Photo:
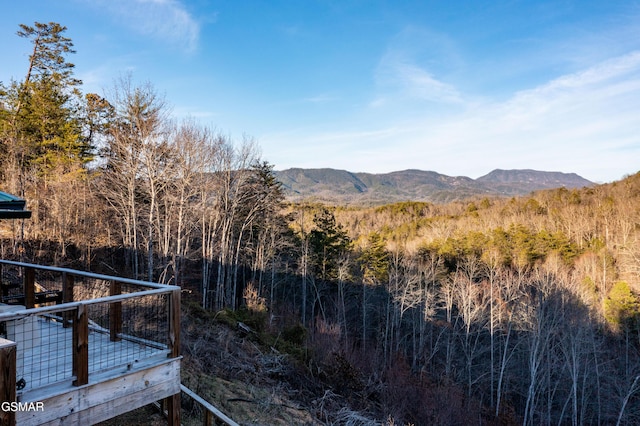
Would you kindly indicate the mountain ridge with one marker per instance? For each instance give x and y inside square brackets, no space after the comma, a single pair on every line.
[342,186]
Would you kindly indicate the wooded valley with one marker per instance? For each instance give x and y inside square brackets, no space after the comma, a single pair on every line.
[519,310]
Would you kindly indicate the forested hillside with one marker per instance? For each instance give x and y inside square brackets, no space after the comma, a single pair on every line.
[495,311]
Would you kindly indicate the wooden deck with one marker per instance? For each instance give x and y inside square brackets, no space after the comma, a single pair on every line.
[108,346]
[50,360]
[120,349]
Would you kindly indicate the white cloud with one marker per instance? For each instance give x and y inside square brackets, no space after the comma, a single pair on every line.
[417,82]
[579,122]
[408,68]
[398,79]
[601,73]
[165,20]
[320,99]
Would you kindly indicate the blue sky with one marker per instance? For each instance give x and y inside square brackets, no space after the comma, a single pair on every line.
[457,87]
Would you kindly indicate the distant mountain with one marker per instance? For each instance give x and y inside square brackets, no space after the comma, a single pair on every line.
[537,179]
[341,186]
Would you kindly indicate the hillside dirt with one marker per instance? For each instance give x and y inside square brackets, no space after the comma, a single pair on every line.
[250,383]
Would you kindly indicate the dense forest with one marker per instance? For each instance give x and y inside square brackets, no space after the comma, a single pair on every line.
[489,311]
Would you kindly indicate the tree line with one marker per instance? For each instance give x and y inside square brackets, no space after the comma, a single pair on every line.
[118,171]
[521,310]
[528,305]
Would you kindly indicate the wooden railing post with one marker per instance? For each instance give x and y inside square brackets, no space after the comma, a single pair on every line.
[29,280]
[7,380]
[173,410]
[115,312]
[174,323]
[67,296]
[208,418]
[81,346]
[4,286]
[173,402]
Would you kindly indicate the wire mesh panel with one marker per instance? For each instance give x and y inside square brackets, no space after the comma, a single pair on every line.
[127,332]
[11,284]
[47,286]
[44,349]
[51,360]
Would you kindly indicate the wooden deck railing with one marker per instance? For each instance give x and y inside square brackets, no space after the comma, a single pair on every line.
[120,309]
[8,379]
